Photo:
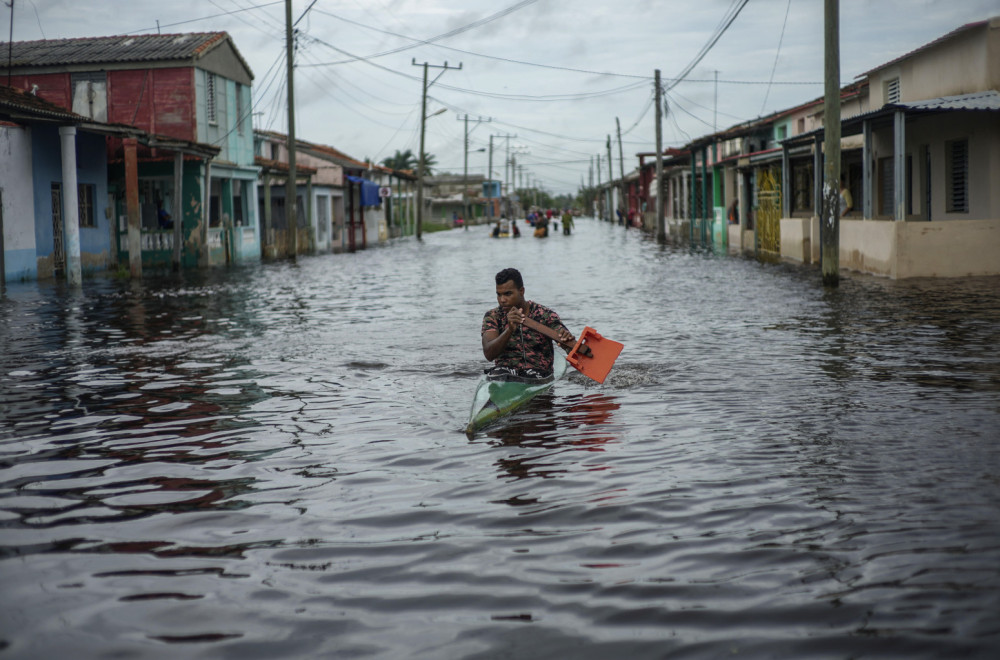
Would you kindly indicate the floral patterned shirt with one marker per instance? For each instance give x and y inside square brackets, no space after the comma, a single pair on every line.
[526,349]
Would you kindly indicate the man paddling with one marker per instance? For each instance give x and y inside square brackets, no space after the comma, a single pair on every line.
[514,347]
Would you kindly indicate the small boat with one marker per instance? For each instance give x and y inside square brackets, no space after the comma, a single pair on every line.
[498,396]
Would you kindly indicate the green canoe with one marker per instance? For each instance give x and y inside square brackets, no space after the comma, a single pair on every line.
[500,396]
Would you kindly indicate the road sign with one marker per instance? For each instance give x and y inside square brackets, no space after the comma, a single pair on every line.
[384,191]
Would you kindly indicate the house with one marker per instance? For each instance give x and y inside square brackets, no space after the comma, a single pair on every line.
[194,92]
[352,204]
[55,218]
[924,172]
[457,196]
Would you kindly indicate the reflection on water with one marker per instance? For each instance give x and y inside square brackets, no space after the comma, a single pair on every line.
[269,462]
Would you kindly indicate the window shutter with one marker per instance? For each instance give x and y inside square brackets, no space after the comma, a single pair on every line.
[958,176]
[210,98]
[892,91]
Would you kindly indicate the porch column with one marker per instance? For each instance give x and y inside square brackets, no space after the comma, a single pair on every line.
[71,205]
[206,213]
[705,210]
[266,240]
[786,174]
[866,171]
[693,190]
[310,220]
[132,209]
[899,164]
[178,216]
[817,178]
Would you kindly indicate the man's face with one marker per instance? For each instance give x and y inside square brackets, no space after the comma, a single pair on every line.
[508,295]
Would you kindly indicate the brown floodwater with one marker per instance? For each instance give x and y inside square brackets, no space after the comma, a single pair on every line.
[269,461]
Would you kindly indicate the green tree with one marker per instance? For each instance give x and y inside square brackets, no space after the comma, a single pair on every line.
[401,160]
[407,160]
[429,162]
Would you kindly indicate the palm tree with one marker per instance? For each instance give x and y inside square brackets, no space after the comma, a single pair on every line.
[429,162]
[407,160]
[401,160]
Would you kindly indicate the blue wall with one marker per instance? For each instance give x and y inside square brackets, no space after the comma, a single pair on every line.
[91,168]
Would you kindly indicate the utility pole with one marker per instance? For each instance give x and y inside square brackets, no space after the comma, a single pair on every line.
[600,209]
[611,178]
[465,172]
[621,164]
[490,176]
[291,191]
[423,130]
[661,230]
[830,225]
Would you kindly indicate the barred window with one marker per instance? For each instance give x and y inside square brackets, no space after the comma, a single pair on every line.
[957,175]
[85,200]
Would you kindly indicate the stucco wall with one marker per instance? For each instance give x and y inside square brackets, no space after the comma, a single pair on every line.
[92,169]
[957,248]
[795,239]
[18,203]
[868,246]
[958,66]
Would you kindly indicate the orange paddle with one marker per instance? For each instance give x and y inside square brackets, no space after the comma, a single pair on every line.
[592,355]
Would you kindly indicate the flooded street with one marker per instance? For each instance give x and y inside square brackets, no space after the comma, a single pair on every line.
[270,462]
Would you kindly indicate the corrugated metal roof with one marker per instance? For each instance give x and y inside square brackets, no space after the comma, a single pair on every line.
[988,100]
[116,49]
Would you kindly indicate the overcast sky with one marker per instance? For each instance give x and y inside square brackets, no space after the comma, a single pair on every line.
[557,73]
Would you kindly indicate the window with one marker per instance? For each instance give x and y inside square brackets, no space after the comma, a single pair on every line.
[90,95]
[802,125]
[85,200]
[957,175]
[892,91]
[213,117]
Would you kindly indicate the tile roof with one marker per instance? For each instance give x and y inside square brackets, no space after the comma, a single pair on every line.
[117,49]
[28,106]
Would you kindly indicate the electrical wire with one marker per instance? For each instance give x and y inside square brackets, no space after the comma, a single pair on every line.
[451,33]
[727,20]
[777,53]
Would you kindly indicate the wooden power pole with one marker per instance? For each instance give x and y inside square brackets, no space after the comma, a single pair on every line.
[621,167]
[423,126]
[611,178]
[291,192]
[830,223]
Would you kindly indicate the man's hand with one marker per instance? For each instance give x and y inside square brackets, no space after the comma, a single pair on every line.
[565,336]
[515,317]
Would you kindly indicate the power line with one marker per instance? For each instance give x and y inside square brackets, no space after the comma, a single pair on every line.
[444,35]
[776,55]
[205,18]
[727,20]
[556,67]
